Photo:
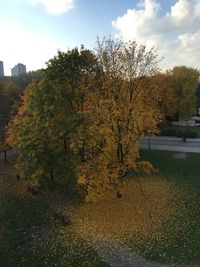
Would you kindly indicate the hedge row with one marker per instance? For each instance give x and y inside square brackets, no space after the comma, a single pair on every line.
[183,132]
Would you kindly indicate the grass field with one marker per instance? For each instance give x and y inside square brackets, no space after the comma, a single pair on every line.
[179,237]
[185,172]
[162,226]
[30,236]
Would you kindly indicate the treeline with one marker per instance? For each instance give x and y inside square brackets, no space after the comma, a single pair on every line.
[180,92]
[24,80]
[80,125]
[11,90]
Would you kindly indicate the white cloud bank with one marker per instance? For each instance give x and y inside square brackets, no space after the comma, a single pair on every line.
[176,33]
[54,6]
[19,45]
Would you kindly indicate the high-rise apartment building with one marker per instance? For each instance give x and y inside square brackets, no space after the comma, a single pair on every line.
[1,69]
[18,70]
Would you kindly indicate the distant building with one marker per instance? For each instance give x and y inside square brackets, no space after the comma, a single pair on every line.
[18,70]
[1,69]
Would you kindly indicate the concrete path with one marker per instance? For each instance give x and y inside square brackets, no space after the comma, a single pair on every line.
[157,143]
[10,153]
[171,144]
[118,256]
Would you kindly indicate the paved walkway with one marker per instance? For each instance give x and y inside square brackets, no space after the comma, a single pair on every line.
[158,143]
[10,153]
[117,256]
[171,144]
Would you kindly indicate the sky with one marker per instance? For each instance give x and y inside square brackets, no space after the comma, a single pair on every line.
[32,31]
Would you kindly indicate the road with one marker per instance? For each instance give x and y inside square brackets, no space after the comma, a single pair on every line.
[171,144]
[158,143]
[9,154]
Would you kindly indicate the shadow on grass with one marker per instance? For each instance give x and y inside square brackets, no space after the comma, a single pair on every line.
[31,236]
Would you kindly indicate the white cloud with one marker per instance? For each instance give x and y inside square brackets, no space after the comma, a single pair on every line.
[19,45]
[176,34]
[54,6]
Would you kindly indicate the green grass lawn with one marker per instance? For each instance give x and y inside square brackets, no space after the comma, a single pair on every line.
[179,240]
[185,172]
[31,237]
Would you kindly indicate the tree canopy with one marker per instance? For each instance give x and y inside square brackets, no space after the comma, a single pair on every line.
[122,108]
[87,116]
[185,81]
[9,102]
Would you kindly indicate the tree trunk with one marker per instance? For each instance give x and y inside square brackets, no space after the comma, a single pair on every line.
[82,152]
[120,153]
[149,143]
[119,195]
[52,177]
[65,146]
[5,155]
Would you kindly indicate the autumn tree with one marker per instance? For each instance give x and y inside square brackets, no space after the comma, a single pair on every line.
[50,118]
[23,81]
[94,107]
[122,109]
[9,102]
[76,70]
[185,82]
[36,132]
[167,95]
[198,99]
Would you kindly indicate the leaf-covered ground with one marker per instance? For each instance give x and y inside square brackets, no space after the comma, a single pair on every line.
[180,233]
[158,217]
[30,235]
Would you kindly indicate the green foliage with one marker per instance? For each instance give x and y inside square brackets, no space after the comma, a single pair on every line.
[72,67]
[87,115]
[11,90]
[184,132]
[167,94]
[9,102]
[24,80]
[185,82]
[50,118]
[40,129]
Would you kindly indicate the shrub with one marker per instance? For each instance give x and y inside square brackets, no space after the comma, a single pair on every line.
[188,133]
[183,132]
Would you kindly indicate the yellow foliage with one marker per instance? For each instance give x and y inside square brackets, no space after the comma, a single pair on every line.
[146,167]
[122,109]
[82,180]
[111,109]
